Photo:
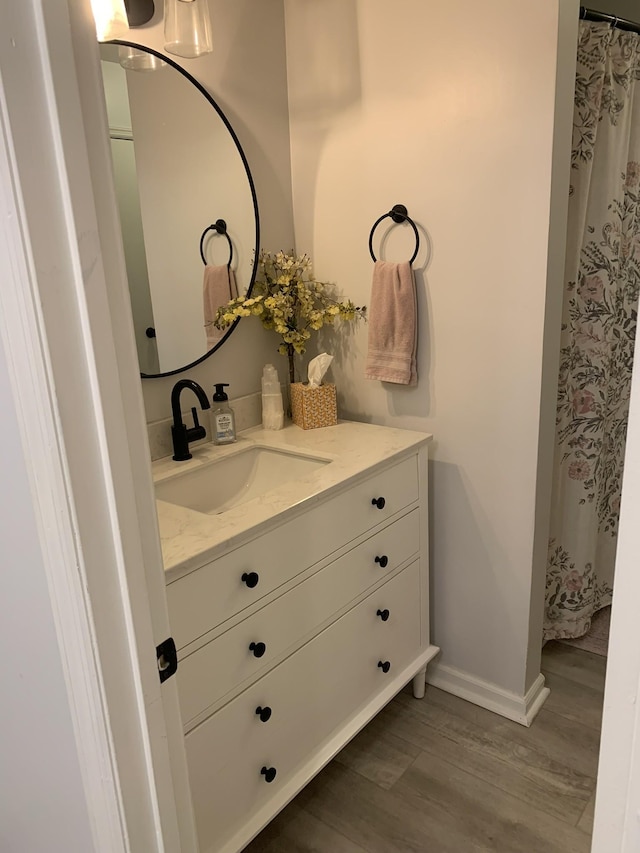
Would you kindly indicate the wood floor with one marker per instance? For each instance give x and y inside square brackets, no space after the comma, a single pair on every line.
[440,775]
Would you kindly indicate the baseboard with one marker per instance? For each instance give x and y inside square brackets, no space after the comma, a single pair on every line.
[521,709]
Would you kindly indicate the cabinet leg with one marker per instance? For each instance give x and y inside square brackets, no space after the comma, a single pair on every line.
[419,683]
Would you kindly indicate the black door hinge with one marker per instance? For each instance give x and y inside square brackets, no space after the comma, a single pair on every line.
[167,659]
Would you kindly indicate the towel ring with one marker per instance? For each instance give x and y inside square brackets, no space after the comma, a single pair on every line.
[399,214]
[220,227]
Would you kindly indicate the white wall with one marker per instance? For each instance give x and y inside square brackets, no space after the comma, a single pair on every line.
[448,110]
[246,74]
[565,88]
[42,802]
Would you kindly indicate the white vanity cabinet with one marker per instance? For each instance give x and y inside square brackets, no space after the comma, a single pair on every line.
[292,638]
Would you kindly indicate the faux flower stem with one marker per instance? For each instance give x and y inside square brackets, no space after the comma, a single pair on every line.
[290,355]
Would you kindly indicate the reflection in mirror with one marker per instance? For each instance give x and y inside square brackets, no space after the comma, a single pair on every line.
[179,170]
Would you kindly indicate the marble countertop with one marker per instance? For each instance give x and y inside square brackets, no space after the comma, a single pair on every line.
[190,538]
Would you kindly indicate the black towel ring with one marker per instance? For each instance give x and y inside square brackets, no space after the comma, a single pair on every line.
[220,227]
[399,214]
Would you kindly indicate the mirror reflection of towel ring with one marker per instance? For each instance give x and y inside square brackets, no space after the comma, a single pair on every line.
[220,227]
[399,214]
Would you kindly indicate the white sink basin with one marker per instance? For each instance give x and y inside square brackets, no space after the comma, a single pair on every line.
[236,479]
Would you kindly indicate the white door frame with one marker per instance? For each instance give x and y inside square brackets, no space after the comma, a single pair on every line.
[617,817]
[66,329]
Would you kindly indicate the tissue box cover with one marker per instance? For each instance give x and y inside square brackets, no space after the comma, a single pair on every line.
[313,407]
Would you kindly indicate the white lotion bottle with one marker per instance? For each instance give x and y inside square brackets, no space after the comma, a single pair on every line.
[272,408]
[222,416]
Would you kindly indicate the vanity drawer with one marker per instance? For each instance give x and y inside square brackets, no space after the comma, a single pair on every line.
[310,695]
[208,596]
[209,673]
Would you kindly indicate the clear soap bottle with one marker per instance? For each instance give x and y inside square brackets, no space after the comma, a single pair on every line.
[223,419]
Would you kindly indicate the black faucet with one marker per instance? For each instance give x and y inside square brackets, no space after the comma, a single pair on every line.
[180,433]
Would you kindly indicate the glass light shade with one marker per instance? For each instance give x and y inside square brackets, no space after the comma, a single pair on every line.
[110,17]
[187,28]
[138,60]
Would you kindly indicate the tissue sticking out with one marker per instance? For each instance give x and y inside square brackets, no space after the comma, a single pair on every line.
[318,366]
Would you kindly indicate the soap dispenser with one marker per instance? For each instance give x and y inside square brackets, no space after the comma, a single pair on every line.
[224,421]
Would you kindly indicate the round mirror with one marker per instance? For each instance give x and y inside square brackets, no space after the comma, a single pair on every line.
[187,202]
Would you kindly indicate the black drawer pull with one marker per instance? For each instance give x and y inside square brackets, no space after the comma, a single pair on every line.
[269,773]
[258,649]
[385,666]
[379,502]
[251,579]
[383,614]
[384,561]
[264,713]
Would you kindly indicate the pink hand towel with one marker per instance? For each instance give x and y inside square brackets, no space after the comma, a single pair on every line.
[219,286]
[393,324]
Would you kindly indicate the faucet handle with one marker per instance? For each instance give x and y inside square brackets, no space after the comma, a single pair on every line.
[196,431]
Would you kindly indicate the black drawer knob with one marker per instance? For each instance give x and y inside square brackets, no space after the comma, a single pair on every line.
[264,713]
[251,579]
[379,502]
[385,666]
[384,561]
[258,649]
[269,773]
[383,614]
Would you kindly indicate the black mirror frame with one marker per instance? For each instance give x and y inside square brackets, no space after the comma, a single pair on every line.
[254,197]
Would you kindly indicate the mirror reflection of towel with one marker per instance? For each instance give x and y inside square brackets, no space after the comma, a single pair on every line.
[393,324]
[218,287]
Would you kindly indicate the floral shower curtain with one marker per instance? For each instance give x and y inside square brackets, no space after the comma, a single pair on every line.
[602,278]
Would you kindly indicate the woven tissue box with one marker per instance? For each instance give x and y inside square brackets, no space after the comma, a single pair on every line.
[313,407]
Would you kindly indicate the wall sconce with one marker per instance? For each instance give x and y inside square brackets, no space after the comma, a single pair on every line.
[187,28]
[187,25]
[139,12]
[110,17]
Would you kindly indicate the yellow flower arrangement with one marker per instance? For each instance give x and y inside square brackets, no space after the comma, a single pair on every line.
[288,299]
